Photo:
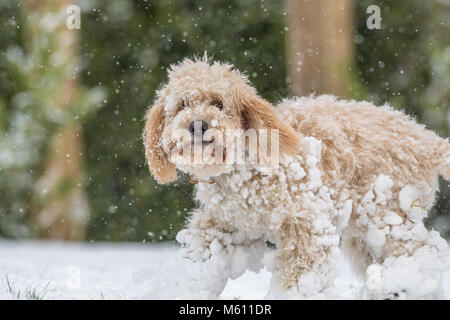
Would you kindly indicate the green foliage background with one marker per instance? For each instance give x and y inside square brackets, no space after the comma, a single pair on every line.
[126,47]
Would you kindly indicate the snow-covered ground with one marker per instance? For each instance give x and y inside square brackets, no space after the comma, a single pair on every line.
[52,270]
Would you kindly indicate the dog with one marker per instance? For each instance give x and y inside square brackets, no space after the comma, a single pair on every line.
[351,177]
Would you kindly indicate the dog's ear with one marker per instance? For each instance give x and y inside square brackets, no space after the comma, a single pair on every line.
[259,114]
[162,170]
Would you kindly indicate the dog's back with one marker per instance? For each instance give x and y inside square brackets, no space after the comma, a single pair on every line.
[361,141]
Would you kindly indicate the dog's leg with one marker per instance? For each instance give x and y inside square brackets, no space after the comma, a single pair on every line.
[407,259]
[217,254]
[408,262]
[306,256]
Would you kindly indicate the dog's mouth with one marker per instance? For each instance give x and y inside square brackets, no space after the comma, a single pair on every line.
[198,148]
[204,141]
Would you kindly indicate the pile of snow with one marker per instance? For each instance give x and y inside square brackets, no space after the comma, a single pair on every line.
[51,270]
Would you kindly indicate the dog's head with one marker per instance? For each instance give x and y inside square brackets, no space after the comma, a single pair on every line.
[199,108]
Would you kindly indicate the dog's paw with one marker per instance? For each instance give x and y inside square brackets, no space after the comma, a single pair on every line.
[405,277]
[401,295]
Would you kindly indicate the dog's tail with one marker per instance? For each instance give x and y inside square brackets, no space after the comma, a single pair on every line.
[445,158]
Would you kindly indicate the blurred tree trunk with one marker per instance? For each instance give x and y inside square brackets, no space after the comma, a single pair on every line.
[319,45]
[60,205]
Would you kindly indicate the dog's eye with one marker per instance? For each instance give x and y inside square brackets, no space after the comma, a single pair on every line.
[182,105]
[218,104]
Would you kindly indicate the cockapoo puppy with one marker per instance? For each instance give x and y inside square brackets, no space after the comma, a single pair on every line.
[351,176]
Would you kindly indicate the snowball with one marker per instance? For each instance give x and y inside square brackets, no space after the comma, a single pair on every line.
[382,188]
[415,201]
[407,277]
[309,283]
[374,279]
[282,177]
[344,215]
[391,218]
[296,172]
[314,176]
[311,162]
[215,246]
[244,193]
[437,241]
[368,197]
[313,146]
[367,206]
[238,263]
[376,238]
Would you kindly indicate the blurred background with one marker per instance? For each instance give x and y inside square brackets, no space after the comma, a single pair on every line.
[72,101]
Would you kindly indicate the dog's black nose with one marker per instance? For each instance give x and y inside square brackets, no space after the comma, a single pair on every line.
[198,127]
